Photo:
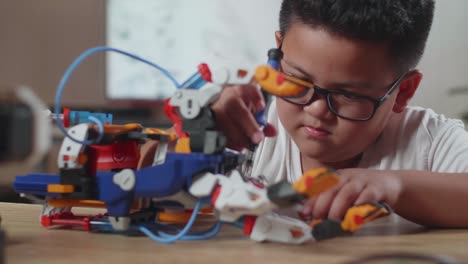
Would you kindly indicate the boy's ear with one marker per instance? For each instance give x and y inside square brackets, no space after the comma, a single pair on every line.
[278,39]
[408,87]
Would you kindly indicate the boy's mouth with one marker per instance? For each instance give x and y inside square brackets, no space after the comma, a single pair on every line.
[316,132]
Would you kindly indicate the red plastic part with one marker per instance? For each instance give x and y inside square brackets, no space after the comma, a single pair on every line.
[215,194]
[66,117]
[171,113]
[309,181]
[249,223]
[68,219]
[280,79]
[205,72]
[117,155]
[359,220]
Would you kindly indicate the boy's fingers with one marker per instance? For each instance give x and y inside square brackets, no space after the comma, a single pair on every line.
[236,141]
[344,199]
[369,195]
[250,94]
[246,123]
[323,203]
[308,207]
[147,154]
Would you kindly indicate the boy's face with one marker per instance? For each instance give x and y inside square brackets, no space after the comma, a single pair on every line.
[333,62]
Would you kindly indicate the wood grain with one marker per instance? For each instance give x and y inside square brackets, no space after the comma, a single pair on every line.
[28,242]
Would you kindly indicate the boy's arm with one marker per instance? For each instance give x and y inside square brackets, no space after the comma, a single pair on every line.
[433,199]
[427,198]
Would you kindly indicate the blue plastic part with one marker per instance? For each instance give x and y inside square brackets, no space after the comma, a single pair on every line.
[36,184]
[103,225]
[166,179]
[183,232]
[174,174]
[274,63]
[200,235]
[260,115]
[195,81]
[78,117]
[76,63]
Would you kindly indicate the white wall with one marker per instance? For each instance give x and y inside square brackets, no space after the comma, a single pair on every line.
[445,62]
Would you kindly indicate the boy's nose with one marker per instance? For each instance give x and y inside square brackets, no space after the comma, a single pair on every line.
[319,107]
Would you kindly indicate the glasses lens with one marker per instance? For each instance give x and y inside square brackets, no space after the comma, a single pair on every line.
[351,106]
[301,98]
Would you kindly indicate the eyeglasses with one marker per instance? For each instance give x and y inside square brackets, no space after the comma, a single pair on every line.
[347,105]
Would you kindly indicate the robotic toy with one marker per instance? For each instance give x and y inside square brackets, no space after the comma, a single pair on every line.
[192,170]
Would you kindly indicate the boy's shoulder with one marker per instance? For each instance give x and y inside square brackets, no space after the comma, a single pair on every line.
[416,117]
[413,140]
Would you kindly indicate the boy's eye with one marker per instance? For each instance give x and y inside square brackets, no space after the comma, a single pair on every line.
[346,97]
[350,96]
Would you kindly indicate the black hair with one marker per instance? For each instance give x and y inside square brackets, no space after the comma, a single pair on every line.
[402,24]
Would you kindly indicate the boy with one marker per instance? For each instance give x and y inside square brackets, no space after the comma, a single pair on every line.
[360,55]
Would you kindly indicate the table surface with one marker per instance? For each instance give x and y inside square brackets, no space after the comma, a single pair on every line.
[29,242]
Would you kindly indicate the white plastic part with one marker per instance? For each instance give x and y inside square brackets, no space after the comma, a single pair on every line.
[70,150]
[120,223]
[238,198]
[125,179]
[160,153]
[231,75]
[276,228]
[204,185]
[190,101]
[186,200]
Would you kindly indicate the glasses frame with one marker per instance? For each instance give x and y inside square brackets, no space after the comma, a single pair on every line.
[326,93]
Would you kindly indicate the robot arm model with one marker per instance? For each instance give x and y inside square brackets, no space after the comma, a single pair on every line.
[251,205]
[199,172]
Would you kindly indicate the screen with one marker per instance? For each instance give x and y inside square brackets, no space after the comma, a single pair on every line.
[180,34]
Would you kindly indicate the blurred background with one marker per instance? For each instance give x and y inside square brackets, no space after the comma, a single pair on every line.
[39,39]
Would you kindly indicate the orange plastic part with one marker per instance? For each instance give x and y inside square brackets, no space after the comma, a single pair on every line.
[316,181]
[60,188]
[360,214]
[183,145]
[278,83]
[60,203]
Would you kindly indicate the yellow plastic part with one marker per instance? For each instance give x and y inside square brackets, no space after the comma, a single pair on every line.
[115,129]
[278,83]
[157,131]
[60,188]
[180,217]
[75,203]
[359,215]
[316,181]
[183,145]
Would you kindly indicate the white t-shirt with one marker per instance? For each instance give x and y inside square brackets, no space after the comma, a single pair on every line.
[417,138]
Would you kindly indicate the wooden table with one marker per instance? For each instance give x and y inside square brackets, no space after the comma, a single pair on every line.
[28,242]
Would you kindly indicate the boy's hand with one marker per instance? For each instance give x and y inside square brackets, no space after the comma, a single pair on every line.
[358,186]
[234,112]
